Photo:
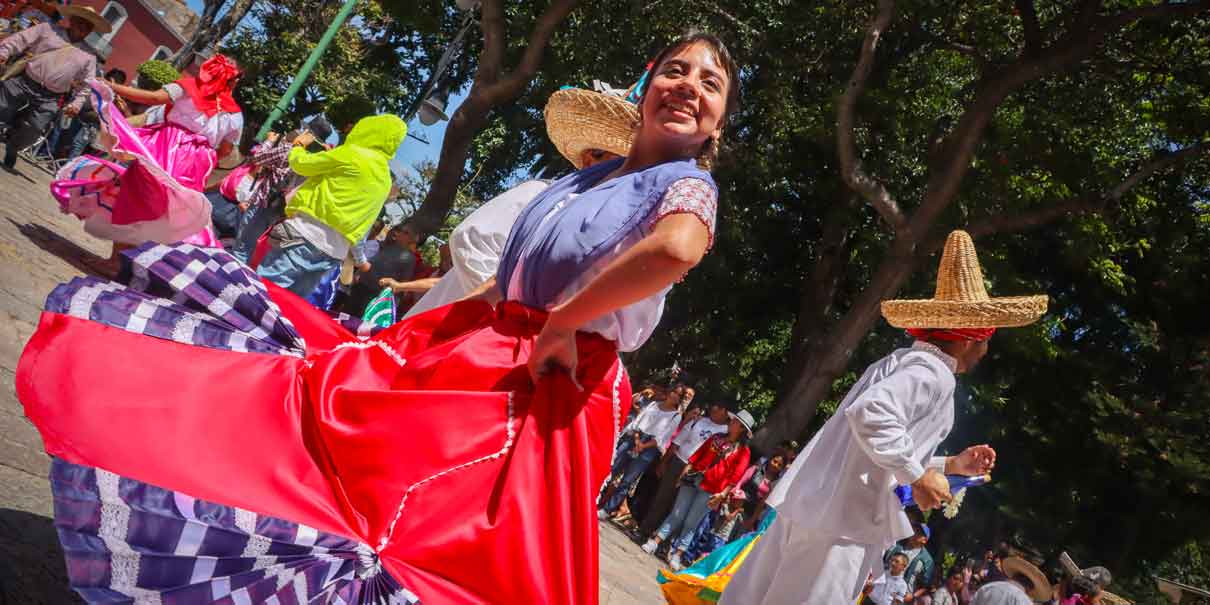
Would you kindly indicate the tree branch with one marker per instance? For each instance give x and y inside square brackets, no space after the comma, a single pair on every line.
[1093,203]
[531,60]
[870,189]
[1164,9]
[1029,20]
[491,59]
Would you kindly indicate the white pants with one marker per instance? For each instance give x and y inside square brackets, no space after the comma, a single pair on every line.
[787,567]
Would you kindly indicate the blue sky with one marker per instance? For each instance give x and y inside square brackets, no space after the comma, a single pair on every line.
[412,151]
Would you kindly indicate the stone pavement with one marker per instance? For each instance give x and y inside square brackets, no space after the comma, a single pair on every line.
[39,248]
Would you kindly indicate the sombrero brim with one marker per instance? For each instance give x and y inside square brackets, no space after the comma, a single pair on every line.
[1042,588]
[578,119]
[1009,312]
[99,24]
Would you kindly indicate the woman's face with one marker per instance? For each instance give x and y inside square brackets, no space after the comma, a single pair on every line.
[735,429]
[777,463]
[687,98]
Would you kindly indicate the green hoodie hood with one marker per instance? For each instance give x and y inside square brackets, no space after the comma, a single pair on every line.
[382,133]
[347,186]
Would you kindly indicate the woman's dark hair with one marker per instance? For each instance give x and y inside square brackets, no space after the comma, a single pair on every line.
[710,149]
[1085,585]
[116,75]
[956,571]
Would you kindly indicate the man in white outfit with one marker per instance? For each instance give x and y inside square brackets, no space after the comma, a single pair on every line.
[837,511]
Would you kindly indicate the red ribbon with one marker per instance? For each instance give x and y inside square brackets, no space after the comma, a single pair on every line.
[211,90]
[952,334]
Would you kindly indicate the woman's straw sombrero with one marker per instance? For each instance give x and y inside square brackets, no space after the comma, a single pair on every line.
[578,119]
[961,300]
[1016,566]
[99,24]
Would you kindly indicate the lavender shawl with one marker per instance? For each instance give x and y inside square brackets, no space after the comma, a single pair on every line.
[559,249]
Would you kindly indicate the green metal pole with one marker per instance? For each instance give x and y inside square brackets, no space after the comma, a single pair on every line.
[301,77]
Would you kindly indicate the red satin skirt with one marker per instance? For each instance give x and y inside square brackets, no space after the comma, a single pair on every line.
[428,442]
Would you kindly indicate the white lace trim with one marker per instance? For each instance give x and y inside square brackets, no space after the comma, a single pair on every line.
[84,298]
[182,330]
[511,433]
[614,421]
[394,355]
[115,523]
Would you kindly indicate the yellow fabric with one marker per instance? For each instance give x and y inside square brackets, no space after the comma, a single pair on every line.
[683,589]
[347,186]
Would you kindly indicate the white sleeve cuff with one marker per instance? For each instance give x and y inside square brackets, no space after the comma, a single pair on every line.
[909,474]
[938,462]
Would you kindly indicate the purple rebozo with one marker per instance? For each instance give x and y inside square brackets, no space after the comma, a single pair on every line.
[957,484]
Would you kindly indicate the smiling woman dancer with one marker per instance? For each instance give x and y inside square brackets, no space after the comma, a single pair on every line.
[452,458]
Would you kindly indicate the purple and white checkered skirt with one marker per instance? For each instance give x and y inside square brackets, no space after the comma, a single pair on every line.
[126,541]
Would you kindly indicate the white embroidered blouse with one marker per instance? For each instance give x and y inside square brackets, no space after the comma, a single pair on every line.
[632,325]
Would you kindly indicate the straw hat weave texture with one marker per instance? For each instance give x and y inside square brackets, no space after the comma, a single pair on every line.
[578,119]
[961,299]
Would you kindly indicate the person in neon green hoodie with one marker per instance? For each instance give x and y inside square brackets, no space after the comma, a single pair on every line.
[334,208]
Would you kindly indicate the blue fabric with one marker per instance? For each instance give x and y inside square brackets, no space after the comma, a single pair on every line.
[297,268]
[224,213]
[687,513]
[631,467]
[324,294]
[704,538]
[557,248]
[724,555]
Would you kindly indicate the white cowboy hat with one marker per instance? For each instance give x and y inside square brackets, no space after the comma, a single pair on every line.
[961,300]
[99,24]
[579,119]
[745,418]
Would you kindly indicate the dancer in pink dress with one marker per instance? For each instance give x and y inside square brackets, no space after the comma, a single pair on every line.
[196,123]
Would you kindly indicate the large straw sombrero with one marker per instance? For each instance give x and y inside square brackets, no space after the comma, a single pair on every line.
[1042,590]
[961,300]
[579,119]
[99,24]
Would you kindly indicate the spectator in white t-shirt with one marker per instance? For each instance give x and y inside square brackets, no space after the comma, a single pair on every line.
[643,440]
[891,588]
[686,442]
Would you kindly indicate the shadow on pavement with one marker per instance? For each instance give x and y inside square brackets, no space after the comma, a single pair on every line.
[32,571]
[69,251]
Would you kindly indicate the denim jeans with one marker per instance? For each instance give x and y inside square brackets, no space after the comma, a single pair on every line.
[252,224]
[298,267]
[631,467]
[686,514]
[224,213]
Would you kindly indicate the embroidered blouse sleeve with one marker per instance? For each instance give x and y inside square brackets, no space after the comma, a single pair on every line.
[690,196]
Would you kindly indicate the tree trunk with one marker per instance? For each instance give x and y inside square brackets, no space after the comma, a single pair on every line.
[467,121]
[210,31]
[830,354]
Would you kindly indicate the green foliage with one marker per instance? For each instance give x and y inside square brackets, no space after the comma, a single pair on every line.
[370,66]
[1099,412]
[153,75]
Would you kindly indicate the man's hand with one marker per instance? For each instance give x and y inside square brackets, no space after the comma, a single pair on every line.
[71,111]
[931,490]
[973,461]
[364,267]
[304,138]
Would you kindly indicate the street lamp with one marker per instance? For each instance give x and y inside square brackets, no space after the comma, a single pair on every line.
[432,110]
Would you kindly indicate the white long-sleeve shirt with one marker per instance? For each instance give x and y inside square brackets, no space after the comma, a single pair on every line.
[657,423]
[884,433]
[476,245]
